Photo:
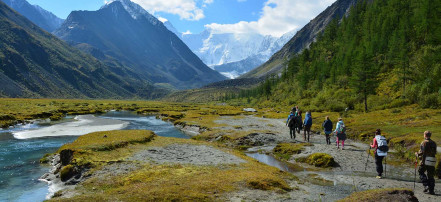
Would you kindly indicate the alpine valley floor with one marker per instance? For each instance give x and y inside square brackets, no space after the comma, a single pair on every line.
[215,165]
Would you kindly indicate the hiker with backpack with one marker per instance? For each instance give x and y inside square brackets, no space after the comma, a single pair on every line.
[340,132]
[327,126]
[291,123]
[379,143]
[307,125]
[298,124]
[427,154]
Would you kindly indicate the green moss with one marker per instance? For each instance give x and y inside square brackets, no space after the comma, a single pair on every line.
[391,194]
[46,158]
[56,117]
[319,160]
[67,172]
[284,151]
[109,140]
[268,184]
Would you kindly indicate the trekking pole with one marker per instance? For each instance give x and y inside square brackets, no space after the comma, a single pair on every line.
[385,166]
[367,158]
[414,179]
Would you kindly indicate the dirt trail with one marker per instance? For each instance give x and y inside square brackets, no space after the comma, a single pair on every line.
[352,174]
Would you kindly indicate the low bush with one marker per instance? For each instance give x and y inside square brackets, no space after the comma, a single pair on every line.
[319,160]
[285,150]
[391,194]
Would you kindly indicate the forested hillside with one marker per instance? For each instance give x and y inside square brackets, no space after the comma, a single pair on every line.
[383,54]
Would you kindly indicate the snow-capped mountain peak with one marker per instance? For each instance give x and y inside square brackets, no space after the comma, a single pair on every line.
[232,54]
[135,10]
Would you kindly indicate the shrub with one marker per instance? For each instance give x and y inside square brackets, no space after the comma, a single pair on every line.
[399,103]
[391,194]
[67,172]
[336,106]
[286,150]
[319,160]
[430,101]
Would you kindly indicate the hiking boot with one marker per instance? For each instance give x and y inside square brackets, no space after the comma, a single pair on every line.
[379,177]
[430,193]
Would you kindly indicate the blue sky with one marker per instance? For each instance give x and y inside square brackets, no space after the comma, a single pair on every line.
[267,17]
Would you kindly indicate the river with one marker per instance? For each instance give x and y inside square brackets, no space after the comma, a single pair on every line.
[21,147]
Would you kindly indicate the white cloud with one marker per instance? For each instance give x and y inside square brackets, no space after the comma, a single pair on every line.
[186,9]
[277,17]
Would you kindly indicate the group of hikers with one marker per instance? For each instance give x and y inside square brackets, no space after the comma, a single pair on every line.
[294,122]
[426,154]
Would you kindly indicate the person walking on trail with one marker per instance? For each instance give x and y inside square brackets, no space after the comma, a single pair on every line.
[379,143]
[340,132]
[307,123]
[291,123]
[298,123]
[427,156]
[327,126]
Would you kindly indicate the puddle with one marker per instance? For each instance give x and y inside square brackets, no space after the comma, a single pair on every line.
[269,160]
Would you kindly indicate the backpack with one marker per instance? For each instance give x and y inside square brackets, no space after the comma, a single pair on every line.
[382,143]
[292,121]
[342,128]
[308,121]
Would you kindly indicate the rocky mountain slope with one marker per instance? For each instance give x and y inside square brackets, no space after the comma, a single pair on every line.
[302,39]
[34,63]
[124,31]
[44,19]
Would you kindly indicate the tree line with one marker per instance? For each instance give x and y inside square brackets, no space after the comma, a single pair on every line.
[382,54]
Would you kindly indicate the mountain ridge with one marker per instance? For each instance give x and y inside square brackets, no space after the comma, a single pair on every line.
[35,63]
[138,42]
[39,16]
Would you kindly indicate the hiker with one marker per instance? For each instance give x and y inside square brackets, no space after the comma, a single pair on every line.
[340,132]
[296,110]
[427,156]
[379,143]
[307,125]
[298,123]
[327,126]
[291,123]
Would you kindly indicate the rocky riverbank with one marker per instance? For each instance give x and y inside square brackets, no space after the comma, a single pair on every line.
[223,173]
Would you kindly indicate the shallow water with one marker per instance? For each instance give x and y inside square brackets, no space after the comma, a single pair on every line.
[19,158]
[269,160]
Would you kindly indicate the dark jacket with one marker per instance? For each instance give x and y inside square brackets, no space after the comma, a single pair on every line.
[327,125]
[427,148]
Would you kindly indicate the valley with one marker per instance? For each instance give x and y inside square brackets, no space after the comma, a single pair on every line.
[134,100]
[228,129]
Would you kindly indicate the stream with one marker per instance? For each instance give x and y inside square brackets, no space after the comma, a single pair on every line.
[21,147]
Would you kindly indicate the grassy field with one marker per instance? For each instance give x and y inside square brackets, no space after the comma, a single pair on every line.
[150,181]
[402,126]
